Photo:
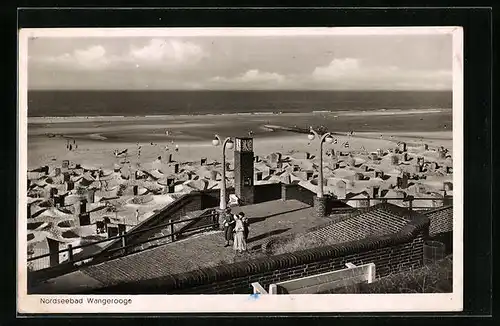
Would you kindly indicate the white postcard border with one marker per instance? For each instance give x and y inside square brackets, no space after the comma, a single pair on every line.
[32,304]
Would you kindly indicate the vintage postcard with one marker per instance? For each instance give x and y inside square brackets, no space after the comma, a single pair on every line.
[240,170]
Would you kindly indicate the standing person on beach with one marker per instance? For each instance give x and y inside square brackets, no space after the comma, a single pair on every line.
[240,243]
[137,215]
[229,223]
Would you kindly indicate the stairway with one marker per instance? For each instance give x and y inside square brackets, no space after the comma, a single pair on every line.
[165,232]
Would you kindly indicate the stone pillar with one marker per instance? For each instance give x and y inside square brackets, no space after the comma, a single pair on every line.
[176,168]
[258,176]
[169,158]
[320,206]
[53,251]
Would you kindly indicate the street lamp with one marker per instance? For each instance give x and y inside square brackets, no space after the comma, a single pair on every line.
[229,143]
[327,137]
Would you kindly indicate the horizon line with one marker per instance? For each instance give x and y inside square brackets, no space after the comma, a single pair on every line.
[236,90]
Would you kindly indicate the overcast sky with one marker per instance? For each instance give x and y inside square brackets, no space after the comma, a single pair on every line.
[411,62]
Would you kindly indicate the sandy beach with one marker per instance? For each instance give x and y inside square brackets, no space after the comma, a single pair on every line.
[98,137]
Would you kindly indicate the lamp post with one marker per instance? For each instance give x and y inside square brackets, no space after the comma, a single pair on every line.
[229,143]
[319,200]
[327,137]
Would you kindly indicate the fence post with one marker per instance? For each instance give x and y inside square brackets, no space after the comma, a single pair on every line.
[172,235]
[70,252]
[124,241]
[215,219]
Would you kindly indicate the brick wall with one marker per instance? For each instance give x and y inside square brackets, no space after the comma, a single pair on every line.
[441,220]
[389,259]
[441,226]
[297,192]
[390,253]
[267,192]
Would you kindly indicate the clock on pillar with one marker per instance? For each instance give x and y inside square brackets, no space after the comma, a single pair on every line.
[243,170]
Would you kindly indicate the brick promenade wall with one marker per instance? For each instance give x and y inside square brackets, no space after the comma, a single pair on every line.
[441,226]
[390,253]
[267,192]
[297,192]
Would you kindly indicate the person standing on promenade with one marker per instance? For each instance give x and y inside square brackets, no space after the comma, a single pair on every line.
[229,223]
[246,223]
[239,244]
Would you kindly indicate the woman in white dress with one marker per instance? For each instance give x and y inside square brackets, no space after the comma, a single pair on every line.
[239,243]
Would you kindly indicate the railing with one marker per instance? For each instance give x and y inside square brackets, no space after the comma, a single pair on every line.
[124,248]
[409,199]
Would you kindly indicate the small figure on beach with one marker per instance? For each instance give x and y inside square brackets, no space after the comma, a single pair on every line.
[137,215]
[176,147]
[239,243]
[229,223]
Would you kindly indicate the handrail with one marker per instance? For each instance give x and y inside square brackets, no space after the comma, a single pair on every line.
[116,237]
[139,243]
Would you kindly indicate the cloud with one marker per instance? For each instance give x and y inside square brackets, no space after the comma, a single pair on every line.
[168,51]
[157,53]
[252,77]
[336,67]
[350,73]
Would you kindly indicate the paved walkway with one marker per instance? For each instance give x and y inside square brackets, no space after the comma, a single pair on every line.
[269,219]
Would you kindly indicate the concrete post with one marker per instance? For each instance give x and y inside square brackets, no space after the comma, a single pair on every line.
[320,206]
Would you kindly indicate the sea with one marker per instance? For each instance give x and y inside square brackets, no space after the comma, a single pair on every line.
[141,103]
